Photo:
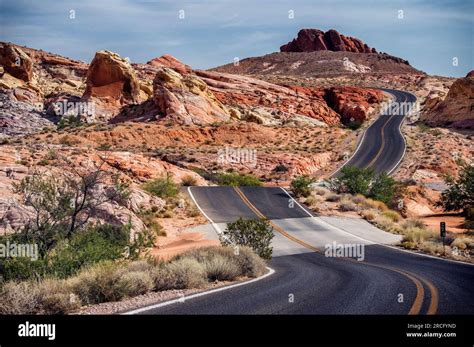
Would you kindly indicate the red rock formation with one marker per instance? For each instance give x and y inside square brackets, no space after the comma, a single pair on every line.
[170,62]
[310,40]
[111,82]
[16,62]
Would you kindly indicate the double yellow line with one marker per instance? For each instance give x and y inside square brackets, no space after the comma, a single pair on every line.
[382,131]
[416,279]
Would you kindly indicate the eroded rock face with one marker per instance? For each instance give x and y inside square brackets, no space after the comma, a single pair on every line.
[16,62]
[352,103]
[457,108]
[309,40]
[186,99]
[170,62]
[111,82]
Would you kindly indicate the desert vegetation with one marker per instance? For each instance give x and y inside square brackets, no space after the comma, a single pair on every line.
[112,281]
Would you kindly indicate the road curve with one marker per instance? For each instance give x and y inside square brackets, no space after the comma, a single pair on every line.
[387,281]
[383,145]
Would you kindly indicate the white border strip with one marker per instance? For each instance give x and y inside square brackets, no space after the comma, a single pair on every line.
[373,242]
[214,225]
[197,295]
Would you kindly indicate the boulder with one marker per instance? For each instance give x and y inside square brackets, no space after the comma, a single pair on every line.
[16,62]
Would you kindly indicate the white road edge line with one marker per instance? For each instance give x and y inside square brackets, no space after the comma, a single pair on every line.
[189,297]
[373,242]
[214,225]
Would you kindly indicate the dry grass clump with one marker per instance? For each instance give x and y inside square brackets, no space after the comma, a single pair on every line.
[321,191]
[332,197]
[369,215]
[387,224]
[393,215]
[346,204]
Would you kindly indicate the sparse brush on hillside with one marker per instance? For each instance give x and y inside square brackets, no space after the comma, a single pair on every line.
[236,179]
[162,187]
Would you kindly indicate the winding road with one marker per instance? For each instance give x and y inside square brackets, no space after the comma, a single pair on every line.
[384,280]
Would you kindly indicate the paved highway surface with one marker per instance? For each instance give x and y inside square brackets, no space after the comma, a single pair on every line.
[385,281]
[383,146]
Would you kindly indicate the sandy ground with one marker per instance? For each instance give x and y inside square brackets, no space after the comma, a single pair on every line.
[453,223]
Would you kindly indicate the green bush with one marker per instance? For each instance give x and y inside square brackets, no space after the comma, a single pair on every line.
[381,187]
[235,179]
[254,233]
[162,187]
[301,186]
[460,194]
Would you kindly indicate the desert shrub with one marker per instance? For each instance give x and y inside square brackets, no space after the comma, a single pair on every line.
[393,215]
[98,283]
[221,268]
[19,298]
[135,283]
[387,224]
[235,179]
[417,235]
[162,187]
[251,265]
[57,297]
[69,140]
[434,247]
[359,199]
[188,181]
[254,233]
[413,223]
[140,265]
[370,215]
[180,273]
[346,204]
[462,242]
[379,205]
[301,186]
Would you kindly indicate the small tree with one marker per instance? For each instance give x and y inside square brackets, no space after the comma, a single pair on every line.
[353,180]
[384,188]
[460,192]
[301,186]
[64,202]
[254,233]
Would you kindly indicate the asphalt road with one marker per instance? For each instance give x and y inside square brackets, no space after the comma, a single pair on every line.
[387,281]
[383,145]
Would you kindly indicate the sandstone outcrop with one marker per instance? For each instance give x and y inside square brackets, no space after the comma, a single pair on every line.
[186,99]
[16,62]
[309,40]
[170,62]
[111,82]
[457,108]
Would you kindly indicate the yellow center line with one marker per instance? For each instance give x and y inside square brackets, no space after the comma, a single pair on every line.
[420,292]
[383,138]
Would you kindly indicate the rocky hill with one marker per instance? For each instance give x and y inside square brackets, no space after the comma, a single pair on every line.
[456,109]
[162,90]
[321,54]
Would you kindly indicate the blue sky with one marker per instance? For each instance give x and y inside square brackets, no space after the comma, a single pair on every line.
[214,32]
